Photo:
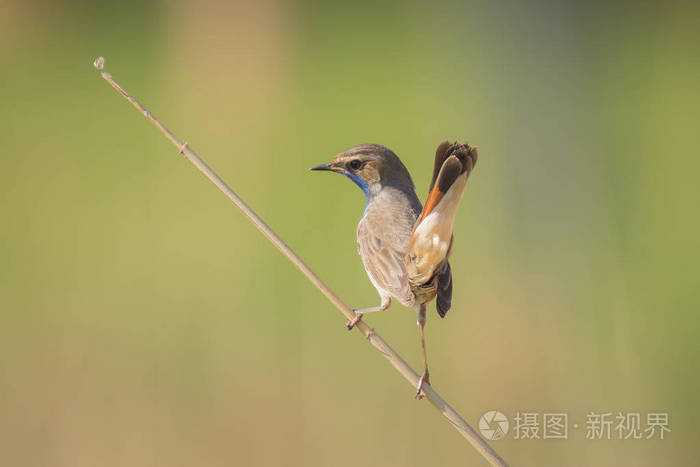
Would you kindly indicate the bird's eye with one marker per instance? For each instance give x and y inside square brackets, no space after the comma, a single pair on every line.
[355,164]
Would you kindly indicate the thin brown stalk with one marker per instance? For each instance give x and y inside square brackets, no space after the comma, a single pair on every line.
[370,334]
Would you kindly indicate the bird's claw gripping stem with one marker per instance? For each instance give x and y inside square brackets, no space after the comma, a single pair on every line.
[425,379]
[351,323]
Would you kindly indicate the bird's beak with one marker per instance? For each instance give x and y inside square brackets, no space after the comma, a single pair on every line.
[327,166]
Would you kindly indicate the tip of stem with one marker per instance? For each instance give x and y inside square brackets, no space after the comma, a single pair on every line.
[99,63]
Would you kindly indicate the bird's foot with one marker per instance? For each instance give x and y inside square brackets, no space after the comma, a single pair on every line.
[425,379]
[351,323]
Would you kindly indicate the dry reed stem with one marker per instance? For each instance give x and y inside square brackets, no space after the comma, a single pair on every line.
[380,344]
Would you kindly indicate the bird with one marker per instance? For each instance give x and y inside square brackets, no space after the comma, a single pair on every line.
[405,246]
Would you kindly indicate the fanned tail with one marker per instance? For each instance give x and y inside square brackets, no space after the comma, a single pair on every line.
[431,239]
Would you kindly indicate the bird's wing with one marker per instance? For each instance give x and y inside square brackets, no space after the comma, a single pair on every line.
[384,264]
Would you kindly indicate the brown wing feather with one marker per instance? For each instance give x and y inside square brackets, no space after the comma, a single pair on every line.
[384,265]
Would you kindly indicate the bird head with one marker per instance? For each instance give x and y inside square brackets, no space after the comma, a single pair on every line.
[370,166]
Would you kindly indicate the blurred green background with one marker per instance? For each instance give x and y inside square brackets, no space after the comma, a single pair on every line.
[143,320]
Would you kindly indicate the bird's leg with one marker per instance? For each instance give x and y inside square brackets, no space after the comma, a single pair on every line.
[426,376]
[386,302]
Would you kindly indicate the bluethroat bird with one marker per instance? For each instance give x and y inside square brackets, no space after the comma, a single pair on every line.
[405,246]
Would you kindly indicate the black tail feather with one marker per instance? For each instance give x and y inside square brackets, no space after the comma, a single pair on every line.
[452,160]
[441,154]
[444,292]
